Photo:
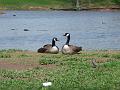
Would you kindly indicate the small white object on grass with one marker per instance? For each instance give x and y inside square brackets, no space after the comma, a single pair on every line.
[46,84]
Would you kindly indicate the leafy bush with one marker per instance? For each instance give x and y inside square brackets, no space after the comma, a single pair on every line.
[117,2]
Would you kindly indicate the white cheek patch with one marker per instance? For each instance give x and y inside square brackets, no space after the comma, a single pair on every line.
[67,35]
[54,39]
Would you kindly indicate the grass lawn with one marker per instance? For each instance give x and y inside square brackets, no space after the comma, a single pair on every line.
[28,4]
[56,4]
[26,70]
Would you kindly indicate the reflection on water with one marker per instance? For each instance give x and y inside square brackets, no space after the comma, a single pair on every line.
[31,29]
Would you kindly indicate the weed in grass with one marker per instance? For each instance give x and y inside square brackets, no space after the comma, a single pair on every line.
[24,55]
[116,56]
[104,55]
[5,55]
[112,64]
[10,50]
[46,61]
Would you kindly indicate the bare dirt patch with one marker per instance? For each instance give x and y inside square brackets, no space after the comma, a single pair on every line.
[23,60]
[16,65]
[23,64]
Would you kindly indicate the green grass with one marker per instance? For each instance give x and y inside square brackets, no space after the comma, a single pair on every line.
[66,72]
[55,4]
[26,4]
[4,55]
[46,61]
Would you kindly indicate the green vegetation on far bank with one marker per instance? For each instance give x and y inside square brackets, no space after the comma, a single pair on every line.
[26,70]
[100,3]
[56,4]
[35,4]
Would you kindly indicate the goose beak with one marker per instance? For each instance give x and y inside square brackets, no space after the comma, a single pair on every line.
[63,35]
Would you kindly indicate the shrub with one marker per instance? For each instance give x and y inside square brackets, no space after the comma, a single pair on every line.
[117,2]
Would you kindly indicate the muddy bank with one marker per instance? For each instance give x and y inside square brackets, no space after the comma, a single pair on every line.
[2,12]
[102,8]
[75,9]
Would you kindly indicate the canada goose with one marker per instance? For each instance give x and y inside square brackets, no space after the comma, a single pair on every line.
[49,48]
[70,49]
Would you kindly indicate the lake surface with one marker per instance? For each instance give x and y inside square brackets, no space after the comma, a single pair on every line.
[92,30]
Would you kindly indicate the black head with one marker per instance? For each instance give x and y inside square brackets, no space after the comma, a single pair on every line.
[55,39]
[66,34]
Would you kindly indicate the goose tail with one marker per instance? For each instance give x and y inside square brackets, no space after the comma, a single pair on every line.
[80,48]
[41,50]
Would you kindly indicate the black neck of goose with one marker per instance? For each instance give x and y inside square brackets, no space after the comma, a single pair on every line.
[68,40]
[53,43]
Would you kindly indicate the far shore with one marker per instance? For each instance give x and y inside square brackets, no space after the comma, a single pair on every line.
[113,8]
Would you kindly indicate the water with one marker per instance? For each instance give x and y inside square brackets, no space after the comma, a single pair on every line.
[90,29]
